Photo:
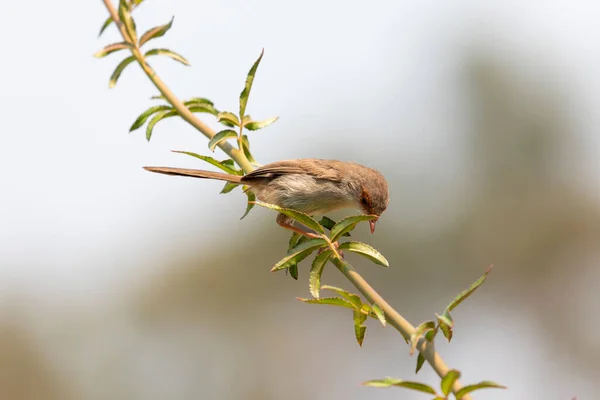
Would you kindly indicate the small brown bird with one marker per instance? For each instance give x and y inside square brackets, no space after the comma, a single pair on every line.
[310,185]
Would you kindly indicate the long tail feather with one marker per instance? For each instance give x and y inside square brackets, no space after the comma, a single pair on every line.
[196,173]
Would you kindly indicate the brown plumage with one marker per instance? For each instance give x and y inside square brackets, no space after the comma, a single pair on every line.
[312,186]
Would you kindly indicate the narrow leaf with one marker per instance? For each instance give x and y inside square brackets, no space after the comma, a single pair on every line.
[420,362]
[379,313]
[347,225]
[293,271]
[309,244]
[430,335]
[334,301]
[445,325]
[419,331]
[296,215]
[251,201]
[256,125]
[388,382]
[327,222]
[466,293]
[168,53]
[155,32]
[247,153]
[228,187]
[219,164]
[105,25]
[127,20]
[158,117]
[359,328]
[294,240]
[220,136]
[481,385]
[197,108]
[117,73]
[365,250]
[111,48]
[314,277]
[448,381]
[199,101]
[294,258]
[199,104]
[248,86]
[228,119]
[351,297]
[141,119]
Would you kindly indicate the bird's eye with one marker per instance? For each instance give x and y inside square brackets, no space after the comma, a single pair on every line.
[364,201]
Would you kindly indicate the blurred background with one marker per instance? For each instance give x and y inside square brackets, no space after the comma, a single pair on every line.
[120,284]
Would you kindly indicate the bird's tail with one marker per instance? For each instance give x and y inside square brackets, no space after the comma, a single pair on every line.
[196,173]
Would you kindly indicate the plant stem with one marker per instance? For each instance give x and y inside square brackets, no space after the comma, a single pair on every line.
[236,154]
[392,316]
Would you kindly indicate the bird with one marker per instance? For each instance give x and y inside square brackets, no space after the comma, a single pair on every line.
[309,185]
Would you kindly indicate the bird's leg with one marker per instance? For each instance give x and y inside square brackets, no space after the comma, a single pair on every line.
[285,222]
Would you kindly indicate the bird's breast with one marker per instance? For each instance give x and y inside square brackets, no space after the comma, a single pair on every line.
[304,193]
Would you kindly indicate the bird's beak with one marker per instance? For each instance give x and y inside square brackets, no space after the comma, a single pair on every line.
[372,225]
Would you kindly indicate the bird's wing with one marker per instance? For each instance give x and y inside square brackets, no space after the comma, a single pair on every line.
[325,169]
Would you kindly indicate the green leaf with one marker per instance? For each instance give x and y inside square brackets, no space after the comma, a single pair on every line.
[351,297]
[445,325]
[308,244]
[105,25]
[430,335]
[294,240]
[168,53]
[334,301]
[314,277]
[418,333]
[155,32]
[247,153]
[203,109]
[251,202]
[198,101]
[141,119]
[228,187]
[300,252]
[127,19]
[158,117]
[359,328]
[228,119]
[379,314]
[347,225]
[420,362]
[228,162]
[448,381]
[220,136]
[199,104]
[481,385]
[111,48]
[117,73]
[327,222]
[296,216]
[256,125]
[388,382]
[222,165]
[365,250]
[248,86]
[294,271]
[466,293]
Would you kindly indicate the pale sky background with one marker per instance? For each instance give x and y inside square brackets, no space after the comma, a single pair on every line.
[80,220]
